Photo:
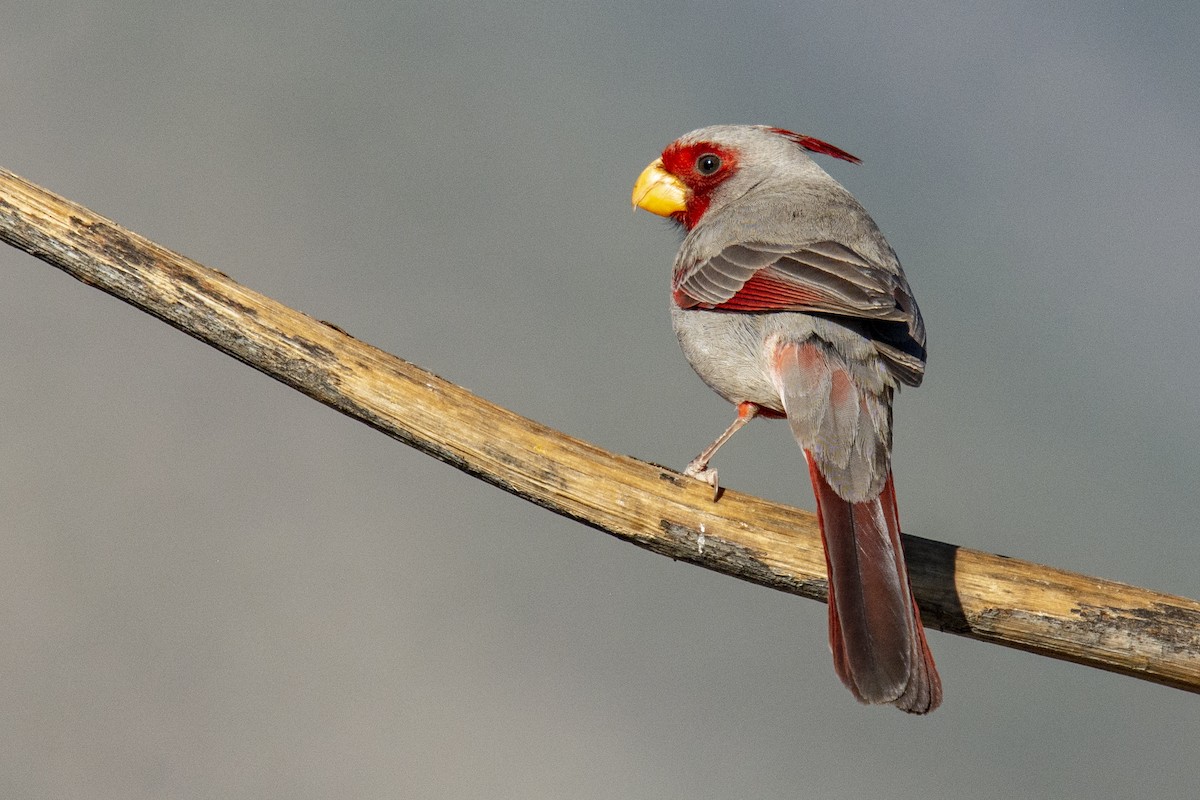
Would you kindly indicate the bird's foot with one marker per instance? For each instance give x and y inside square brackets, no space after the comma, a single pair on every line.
[700,470]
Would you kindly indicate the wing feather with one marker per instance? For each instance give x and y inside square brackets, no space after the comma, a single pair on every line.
[824,277]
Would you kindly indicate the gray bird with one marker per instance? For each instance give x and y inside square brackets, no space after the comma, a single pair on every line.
[788,302]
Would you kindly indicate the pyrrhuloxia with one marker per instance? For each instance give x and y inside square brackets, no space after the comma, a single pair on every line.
[789,302]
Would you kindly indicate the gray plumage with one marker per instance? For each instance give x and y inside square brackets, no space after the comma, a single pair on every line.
[781,212]
[789,301]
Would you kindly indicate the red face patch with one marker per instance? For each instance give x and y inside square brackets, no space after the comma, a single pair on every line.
[702,166]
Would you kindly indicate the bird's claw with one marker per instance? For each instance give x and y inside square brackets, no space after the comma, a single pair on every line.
[701,472]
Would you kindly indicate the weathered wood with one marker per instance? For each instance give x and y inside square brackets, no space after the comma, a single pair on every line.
[1015,603]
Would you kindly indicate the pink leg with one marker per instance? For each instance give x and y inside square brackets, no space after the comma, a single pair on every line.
[698,468]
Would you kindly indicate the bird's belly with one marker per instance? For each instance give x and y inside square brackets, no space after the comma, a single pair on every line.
[729,352]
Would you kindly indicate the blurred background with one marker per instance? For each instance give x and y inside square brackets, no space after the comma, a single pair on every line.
[211,586]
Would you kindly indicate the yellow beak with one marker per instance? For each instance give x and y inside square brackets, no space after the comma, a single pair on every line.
[659,192]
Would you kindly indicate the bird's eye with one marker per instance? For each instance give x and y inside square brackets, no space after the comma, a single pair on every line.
[707,164]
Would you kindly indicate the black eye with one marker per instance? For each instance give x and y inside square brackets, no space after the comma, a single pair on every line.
[707,164]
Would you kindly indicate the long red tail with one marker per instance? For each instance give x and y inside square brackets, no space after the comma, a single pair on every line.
[875,632]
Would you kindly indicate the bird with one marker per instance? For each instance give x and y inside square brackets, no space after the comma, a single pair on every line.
[789,303]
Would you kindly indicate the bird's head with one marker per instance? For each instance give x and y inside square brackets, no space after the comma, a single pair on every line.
[709,167]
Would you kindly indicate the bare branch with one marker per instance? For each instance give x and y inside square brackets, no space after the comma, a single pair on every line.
[1015,603]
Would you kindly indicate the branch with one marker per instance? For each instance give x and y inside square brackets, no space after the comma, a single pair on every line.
[1015,603]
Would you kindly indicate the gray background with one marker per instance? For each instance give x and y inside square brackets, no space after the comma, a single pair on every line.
[211,586]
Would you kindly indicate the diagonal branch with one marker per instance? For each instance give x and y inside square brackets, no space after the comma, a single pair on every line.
[1006,601]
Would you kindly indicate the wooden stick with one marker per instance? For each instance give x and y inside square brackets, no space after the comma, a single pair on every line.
[1015,603]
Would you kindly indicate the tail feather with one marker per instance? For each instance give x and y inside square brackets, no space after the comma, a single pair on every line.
[875,632]
[839,410]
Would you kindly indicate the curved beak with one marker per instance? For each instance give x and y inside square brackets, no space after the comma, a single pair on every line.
[659,192]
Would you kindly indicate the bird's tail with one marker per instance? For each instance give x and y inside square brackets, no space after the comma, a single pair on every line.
[875,632]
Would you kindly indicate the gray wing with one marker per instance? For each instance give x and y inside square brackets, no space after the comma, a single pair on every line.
[823,277]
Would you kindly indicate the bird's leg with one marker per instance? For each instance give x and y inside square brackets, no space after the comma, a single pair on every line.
[698,468]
